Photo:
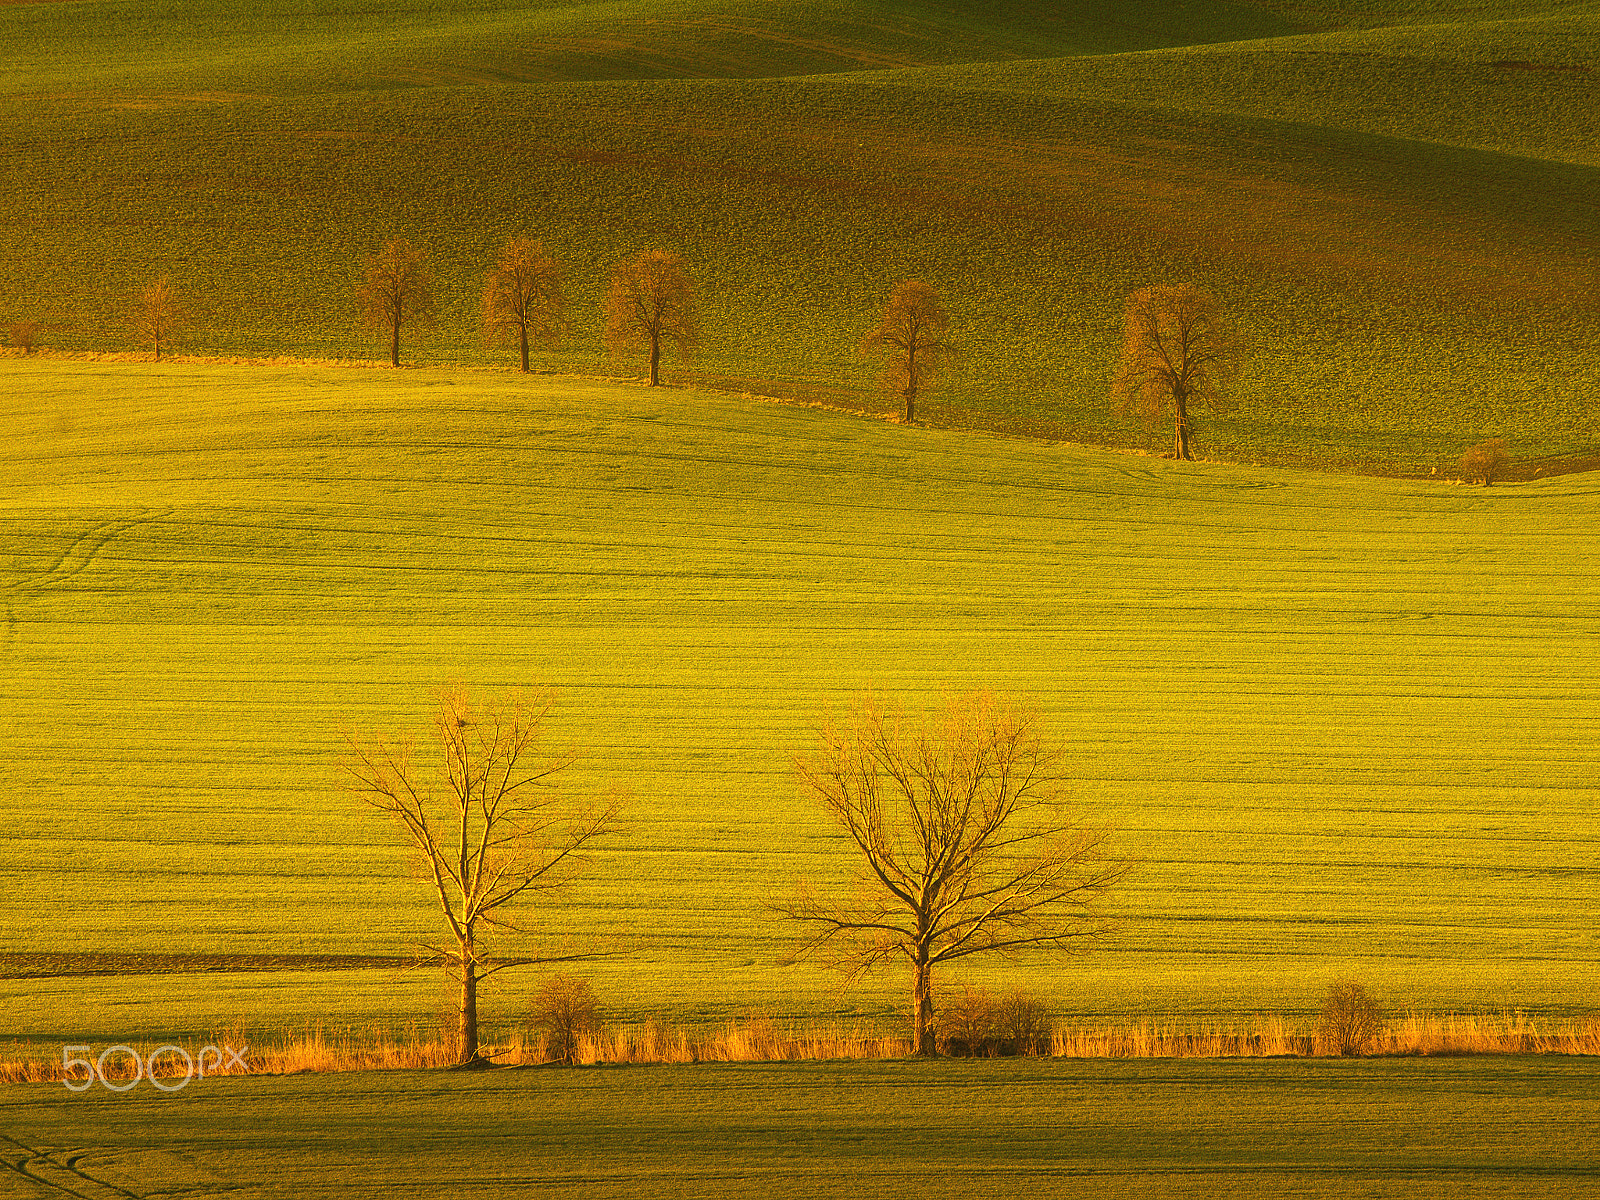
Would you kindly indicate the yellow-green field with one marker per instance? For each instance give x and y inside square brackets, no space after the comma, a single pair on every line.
[1347,725]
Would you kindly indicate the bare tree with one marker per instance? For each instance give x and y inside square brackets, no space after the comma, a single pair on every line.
[651,301]
[1178,349]
[522,296]
[912,341]
[487,826]
[158,317]
[966,847]
[25,336]
[1485,461]
[398,290]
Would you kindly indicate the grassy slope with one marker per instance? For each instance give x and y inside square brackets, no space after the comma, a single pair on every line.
[299,48]
[290,47]
[1346,725]
[1407,229]
[1435,1129]
[1522,86]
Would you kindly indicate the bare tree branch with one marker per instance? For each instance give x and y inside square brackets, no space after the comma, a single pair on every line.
[1178,348]
[912,341]
[651,301]
[511,833]
[966,850]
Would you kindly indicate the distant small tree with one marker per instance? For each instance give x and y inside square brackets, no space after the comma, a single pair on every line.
[25,336]
[912,341]
[398,290]
[158,317]
[1179,349]
[1485,462]
[966,848]
[565,1010]
[487,827]
[522,296]
[1351,1018]
[652,301]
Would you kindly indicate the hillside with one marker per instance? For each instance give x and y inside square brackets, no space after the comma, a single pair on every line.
[282,47]
[1524,87]
[289,48]
[1397,200]
[1345,725]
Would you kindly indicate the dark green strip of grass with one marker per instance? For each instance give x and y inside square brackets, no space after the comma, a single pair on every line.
[1466,1127]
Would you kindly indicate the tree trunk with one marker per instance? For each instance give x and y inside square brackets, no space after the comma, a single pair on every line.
[922,1009]
[394,344]
[468,1045]
[157,342]
[911,384]
[1181,439]
[655,359]
[524,349]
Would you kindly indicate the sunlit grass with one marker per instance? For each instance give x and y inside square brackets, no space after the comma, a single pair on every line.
[1343,723]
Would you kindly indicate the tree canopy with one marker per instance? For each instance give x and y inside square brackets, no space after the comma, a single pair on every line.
[651,301]
[959,825]
[912,342]
[1178,349]
[397,291]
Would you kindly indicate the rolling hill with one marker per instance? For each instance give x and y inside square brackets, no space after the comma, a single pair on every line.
[1397,200]
[1345,725]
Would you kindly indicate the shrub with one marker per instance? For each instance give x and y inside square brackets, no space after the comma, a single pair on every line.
[1351,1019]
[1485,461]
[1023,1024]
[565,1010]
[965,1023]
[25,336]
[980,1024]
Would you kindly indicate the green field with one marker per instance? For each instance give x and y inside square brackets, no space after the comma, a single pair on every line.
[1347,725]
[1435,1129]
[1397,199]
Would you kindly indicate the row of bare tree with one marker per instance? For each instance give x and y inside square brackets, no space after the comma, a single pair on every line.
[1179,348]
[650,302]
[958,824]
